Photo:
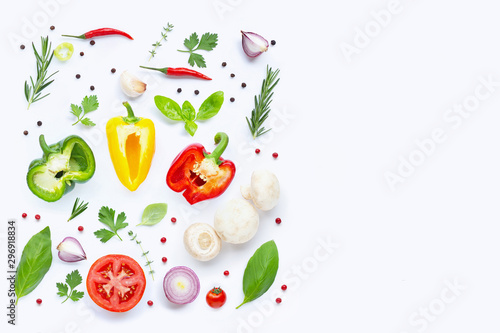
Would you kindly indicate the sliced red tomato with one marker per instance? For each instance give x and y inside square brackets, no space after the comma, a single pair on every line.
[116,282]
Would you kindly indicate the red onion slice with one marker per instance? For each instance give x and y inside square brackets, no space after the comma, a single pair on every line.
[253,44]
[70,250]
[181,285]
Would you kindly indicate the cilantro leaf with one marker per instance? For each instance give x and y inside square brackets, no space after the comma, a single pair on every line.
[76,110]
[87,122]
[89,104]
[107,216]
[208,42]
[197,59]
[192,41]
[73,279]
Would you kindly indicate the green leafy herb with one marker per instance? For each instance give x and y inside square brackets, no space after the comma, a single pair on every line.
[78,208]
[166,30]
[144,254]
[89,104]
[260,272]
[107,216]
[67,289]
[34,264]
[33,92]
[207,42]
[208,109]
[153,214]
[262,102]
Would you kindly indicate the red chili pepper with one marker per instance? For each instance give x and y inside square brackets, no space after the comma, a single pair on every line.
[101,32]
[180,71]
[199,174]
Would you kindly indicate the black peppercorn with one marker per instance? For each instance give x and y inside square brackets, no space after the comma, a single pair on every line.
[224,64]
[81,54]
[78,76]
[39,123]
[22,47]
[232,75]
[273,42]
[52,27]
[232,99]
[25,132]
[92,88]
[92,42]
[243,84]
[179,90]
[196,92]
[113,70]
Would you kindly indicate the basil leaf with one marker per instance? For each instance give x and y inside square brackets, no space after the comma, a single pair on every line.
[34,264]
[188,112]
[260,272]
[153,214]
[211,106]
[168,107]
[191,127]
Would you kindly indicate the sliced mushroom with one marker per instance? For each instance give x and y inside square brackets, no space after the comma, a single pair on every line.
[201,241]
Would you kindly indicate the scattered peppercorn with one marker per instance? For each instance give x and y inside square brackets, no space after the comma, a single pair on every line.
[24,215]
[232,99]
[78,76]
[196,92]
[224,64]
[92,88]
[278,300]
[226,273]
[52,27]
[113,70]
[243,84]
[284,287]
[179,90]
[92,42]
[275,155]
[278,220]
[39,123]
[163,240]
[82,54]
[22,47]
[150,303]
[164,259]
[273,42]
[37,216]
[80,228]
[232,75]
[173,219]
[25,132]
[39,301]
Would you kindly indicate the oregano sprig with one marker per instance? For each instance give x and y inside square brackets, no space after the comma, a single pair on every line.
[164,33]
[144,254]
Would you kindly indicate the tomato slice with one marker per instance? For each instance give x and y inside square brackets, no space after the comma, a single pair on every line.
[116,282]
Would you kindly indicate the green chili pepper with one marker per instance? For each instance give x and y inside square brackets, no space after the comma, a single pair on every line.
[62,165]
[64,51]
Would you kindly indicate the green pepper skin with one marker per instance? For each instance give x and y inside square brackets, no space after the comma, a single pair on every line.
[62,165]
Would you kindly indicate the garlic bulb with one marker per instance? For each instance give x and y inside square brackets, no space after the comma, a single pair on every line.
[70,250]
[131,85]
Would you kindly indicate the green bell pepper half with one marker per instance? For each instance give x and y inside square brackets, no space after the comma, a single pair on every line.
[62,165]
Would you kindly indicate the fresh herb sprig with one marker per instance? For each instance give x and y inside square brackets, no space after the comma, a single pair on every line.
[78,208]
[164,33]
[208,42]
[67,289]
[89,104]
[144,254]
[33,91]
[107,216]
[262,103]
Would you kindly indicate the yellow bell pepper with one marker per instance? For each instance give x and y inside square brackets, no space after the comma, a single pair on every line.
[131,143]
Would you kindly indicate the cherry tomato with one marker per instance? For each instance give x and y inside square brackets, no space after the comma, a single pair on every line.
[216,298]
[116,282]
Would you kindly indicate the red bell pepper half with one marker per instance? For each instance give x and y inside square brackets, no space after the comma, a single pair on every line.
[199,174]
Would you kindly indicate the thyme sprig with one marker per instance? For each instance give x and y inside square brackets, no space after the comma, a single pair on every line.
[78,208]
[34,90]
[144,254]
[166,30]
[261,103]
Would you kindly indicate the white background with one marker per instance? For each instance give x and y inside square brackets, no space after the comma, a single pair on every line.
[340,124]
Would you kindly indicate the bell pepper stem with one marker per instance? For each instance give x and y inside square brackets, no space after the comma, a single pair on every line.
[163,70]
[45,147]
[221,139]
[130,118]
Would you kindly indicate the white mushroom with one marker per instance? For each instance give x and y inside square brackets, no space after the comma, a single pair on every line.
[264,190]
[201,241]
[237,221]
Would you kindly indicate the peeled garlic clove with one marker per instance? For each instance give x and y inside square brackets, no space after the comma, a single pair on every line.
[70,250]
[253,44]
[131,85]
[202,242]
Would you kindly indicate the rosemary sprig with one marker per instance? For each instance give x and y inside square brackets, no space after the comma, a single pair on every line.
[78,208]
[144,254]
[262,102]
[33,91]
[166,30]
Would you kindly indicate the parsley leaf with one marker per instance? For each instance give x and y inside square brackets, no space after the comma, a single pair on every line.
[207,42]
[73,279]
[107,216]
[89,104]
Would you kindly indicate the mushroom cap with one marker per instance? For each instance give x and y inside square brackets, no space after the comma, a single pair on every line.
[201,241]
[264,189]
[237,221]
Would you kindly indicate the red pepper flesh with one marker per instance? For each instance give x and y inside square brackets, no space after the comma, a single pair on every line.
[179,71]
[199,174]
[101,32]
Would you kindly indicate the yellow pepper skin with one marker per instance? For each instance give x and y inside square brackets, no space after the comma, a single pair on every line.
[131,143]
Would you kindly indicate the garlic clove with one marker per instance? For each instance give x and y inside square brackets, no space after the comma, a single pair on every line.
[253,44]
[70,250]
[131,85]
